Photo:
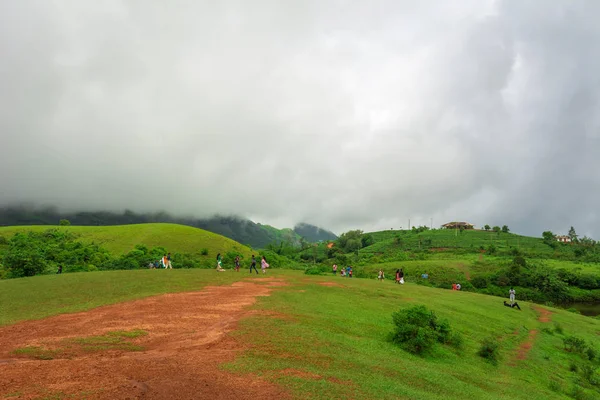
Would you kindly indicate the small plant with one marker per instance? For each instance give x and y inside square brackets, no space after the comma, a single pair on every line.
[573,310]
[558,328]
[489,350]
[457,340]
[204,252]
[547,330]
[574,344]
[591,353]
[573,367]
[555,385]
[547,357]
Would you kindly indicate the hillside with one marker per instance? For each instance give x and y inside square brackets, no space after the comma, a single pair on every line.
[121,239]
[342,350]
[240,229]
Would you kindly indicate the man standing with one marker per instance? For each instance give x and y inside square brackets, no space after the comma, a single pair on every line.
[511,294]
[168,265]
[253,265]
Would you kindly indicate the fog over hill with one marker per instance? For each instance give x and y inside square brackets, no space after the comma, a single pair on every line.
[341,114]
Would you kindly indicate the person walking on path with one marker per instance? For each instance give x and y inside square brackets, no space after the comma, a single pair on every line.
[511,294]
[253,265]
[263,265]
[334,269]
[237,263]
[381,275]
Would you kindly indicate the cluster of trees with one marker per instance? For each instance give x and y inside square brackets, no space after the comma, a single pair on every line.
[497,229]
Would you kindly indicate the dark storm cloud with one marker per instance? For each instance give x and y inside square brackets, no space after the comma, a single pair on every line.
[344,114]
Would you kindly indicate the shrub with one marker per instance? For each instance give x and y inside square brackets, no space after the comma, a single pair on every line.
[479,282]
[313,271]
[489,350]
[64,222]
[3,240]
[204,252]
[574,344]
[558,328]
[591,353]
[418,329]
[555,385]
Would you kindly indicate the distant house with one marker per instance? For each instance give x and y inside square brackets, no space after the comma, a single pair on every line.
[458,225]
[563,239]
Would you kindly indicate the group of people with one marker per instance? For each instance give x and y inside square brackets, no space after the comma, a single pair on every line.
[263,264]
[164,262]
[345,272]
[456,286]
[399,276]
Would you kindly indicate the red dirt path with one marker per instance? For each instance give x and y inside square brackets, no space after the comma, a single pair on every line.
[523,350]
[185,344]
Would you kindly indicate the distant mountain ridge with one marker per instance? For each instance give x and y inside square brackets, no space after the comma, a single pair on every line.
[240,229]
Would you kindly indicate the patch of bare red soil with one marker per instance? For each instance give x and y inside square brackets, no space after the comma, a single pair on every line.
[545,315]
[526,346]
[187,341]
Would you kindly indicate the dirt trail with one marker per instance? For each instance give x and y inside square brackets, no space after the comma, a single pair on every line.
[545,316]
[181,354]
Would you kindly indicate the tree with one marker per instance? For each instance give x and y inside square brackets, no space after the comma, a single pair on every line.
[572,235]
[496,229]
[505,229]
[64,222]
[549,239]
[487,227]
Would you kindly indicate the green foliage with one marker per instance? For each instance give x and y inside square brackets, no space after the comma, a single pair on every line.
[479,282]
[496,229]
[489,350]
[204,252]
[3,240]
[558,328]
[64,222]
[574,344]
[417,329]
[505,229]
[487,227]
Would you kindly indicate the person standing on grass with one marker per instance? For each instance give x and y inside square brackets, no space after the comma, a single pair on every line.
[511,294]
[397,276]
[253,265]
[219,261]
[169,261]
[381,275]
[237,263]
[264,265]
[334,269]
[350,272]
[401,281]
[343,272]
[163,261]
[59,271]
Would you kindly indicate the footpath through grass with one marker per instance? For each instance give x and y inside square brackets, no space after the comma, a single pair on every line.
[331,342]
[42,296]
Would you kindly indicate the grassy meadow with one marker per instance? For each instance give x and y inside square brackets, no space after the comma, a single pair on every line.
[123,238]
[330,342]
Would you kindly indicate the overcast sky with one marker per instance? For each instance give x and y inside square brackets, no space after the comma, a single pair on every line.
[344,114]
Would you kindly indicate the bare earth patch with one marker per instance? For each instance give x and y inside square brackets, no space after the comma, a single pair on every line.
[544,315]
[178,358]
[330,284]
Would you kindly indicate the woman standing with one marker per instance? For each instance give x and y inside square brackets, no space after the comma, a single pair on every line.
[237,263]
[398,276]
[219,268]
[264,265]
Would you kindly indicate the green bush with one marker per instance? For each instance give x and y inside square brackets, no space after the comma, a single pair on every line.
[489,350]
[64,222]
[574,344]
[204,252]
[417,329]
[3,240]
[479,282]
[558,328]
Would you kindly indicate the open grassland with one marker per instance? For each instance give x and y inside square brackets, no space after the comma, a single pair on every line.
[123,238]
[327,337]
[331,342]
[42,296]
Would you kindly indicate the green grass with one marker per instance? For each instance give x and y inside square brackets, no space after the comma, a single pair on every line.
[334,340]
[42,296]
[121,239]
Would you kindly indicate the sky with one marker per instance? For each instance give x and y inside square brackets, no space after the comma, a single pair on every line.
[346,114]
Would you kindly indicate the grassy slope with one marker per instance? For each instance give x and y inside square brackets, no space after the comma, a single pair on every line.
[332,343]
[121,239]
[46,295]
[448,238]
[338,334]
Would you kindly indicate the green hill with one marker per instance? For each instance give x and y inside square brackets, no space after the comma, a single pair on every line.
[122,239]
